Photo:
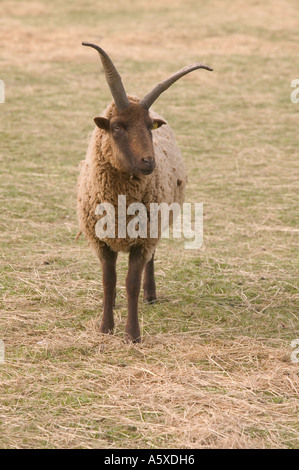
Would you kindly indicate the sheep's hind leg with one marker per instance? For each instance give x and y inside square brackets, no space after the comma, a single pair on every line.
[133,284]
[149,285]
[108,260]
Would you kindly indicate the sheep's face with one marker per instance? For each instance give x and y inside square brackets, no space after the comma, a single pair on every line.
[131,138]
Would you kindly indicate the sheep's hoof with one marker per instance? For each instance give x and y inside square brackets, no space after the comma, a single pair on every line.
[129,339]
[150,300]
[133,337]
[107,329]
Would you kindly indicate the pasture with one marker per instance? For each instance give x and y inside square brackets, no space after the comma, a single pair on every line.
[214,369]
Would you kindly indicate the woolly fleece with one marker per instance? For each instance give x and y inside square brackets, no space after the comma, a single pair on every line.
[100,181]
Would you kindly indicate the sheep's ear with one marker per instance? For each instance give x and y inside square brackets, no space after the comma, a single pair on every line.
[158,123]
[102,123]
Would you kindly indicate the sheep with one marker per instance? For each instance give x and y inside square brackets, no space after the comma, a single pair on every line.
[132,152]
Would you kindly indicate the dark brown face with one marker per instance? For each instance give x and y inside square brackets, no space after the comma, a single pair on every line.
[131,132]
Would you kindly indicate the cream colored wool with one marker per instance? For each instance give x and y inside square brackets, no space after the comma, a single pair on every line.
[101,181]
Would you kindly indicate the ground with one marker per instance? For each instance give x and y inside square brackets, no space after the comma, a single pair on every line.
[214,369]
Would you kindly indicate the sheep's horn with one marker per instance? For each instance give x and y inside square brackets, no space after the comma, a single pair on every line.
[113,78]
[149,99]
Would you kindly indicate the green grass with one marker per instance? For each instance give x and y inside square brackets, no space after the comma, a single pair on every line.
[214,368]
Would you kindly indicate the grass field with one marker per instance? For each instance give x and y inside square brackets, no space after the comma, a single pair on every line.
[214,369]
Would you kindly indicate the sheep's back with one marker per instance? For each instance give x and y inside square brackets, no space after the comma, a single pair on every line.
[170,171]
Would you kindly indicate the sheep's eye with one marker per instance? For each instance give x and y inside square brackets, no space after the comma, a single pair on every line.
[118,128]
[155,125]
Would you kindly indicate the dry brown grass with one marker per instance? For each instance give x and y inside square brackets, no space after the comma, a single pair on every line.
[172,391]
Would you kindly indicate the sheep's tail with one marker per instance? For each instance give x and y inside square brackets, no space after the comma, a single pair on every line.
[78,235]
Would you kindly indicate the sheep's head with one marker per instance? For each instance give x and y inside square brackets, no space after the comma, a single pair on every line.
[131,126]
[131,138]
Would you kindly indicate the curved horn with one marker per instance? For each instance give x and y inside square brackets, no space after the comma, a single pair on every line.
[113,78]
[149,99]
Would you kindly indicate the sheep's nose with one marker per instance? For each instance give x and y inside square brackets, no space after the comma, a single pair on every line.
[147,165]
[149,161]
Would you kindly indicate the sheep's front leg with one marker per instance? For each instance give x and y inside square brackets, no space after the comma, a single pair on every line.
[108,260]
[149,285]
[133,283]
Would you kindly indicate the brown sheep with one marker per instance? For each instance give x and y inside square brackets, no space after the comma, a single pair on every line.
[125,157]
